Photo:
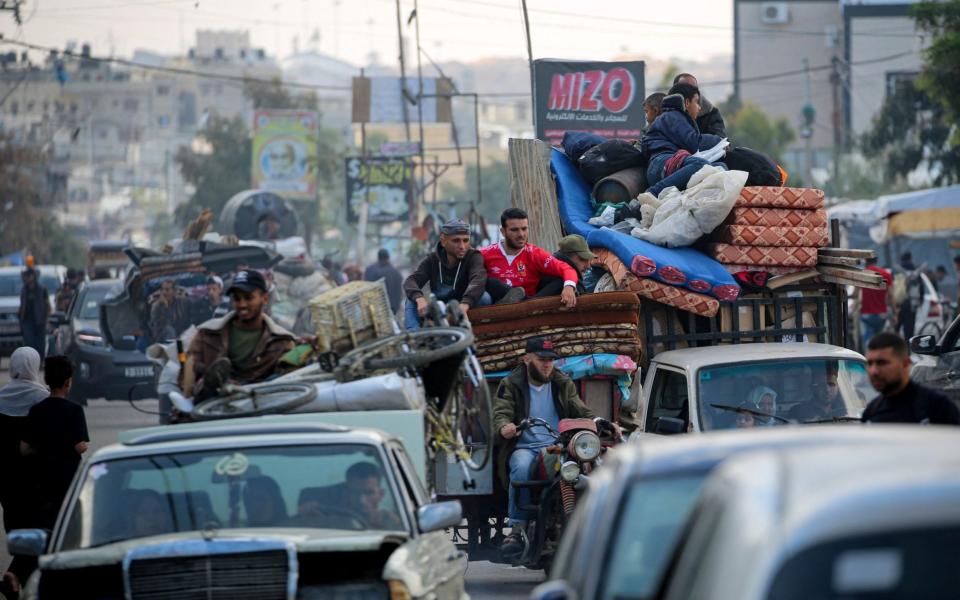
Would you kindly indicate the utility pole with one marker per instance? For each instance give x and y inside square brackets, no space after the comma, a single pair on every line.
[421,196]
[526,27]
[806,132]
[403,75]
[837,119]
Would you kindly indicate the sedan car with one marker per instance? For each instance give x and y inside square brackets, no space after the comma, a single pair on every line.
[10,285]
[102,369]
[861,522]
[259,508]
[620,539]
[936,361]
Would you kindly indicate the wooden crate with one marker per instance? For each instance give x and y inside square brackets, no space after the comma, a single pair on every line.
[351,314]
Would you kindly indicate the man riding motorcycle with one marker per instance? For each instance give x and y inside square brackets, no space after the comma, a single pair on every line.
[534,389]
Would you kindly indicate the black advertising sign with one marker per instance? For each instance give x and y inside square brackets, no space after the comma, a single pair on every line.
[384,183]
[605,98]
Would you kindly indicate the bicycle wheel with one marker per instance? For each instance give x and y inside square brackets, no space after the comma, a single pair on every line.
[421,347]
[475,414]
[261,400]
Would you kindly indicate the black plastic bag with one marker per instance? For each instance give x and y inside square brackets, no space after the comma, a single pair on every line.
[608,158]
[761,170]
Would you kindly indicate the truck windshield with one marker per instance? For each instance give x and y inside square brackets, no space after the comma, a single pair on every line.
[340,486]
[769,393]
[90,302]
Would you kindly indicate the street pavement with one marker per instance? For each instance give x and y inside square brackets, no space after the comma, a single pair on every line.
[106,419]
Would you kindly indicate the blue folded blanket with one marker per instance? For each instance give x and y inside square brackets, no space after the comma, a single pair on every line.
[682,267]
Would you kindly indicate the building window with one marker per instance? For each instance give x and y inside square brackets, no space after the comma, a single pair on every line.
[897,78]
[163,121]
[163,90]
[130,104]
[14,107]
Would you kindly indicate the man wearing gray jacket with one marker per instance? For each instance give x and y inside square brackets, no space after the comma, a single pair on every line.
[709,121]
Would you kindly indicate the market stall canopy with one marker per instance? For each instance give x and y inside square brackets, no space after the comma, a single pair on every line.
[930,212]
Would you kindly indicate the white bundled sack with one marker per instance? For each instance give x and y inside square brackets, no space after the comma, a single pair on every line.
[685,216]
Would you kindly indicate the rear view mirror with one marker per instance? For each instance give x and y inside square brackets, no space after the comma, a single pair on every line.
[923,344]
[27,542]
[439,515]
[669,425]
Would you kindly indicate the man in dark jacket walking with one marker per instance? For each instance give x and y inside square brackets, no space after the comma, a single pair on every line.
[383,269]
[901,400]
[34,311]
[454,271]
[709,120]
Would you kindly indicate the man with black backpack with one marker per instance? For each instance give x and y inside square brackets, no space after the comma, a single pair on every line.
[901,400]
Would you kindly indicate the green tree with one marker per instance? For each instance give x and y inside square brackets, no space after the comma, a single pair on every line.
[910,131]
[750,127]
[217,170]
[495,184]
[31,194]
[940,77]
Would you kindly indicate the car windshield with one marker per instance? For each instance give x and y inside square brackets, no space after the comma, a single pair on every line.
[90,301]
[10,285]
[648,528]
[769,393]
[329,486]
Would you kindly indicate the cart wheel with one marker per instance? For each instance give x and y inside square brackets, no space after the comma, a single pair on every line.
[260,400]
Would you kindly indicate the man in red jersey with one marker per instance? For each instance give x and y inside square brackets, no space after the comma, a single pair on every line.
[518,270]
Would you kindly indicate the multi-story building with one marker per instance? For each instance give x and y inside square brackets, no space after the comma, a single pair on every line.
[837,56]
[117,126]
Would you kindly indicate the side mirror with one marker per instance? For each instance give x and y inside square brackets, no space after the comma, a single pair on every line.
[556,589]
[669,425]
[439,515]
[27,542]
[58,319]
[923,344]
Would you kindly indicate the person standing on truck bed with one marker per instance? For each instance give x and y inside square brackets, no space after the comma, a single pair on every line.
[901,400]
[515,268]
[454,271]
[244,345]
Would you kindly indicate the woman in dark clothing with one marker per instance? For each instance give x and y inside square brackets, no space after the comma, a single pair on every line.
[674,138]
[24,390]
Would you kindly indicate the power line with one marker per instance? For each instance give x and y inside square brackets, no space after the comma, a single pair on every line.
[178,70]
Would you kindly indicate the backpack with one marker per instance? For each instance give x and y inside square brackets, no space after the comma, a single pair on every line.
[608,158]
[761,170]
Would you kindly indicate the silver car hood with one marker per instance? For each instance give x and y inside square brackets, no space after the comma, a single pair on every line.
[304,540]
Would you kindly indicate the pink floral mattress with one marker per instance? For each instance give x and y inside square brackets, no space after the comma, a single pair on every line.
[780,197]
[760,235]
[777,217]
[774,256]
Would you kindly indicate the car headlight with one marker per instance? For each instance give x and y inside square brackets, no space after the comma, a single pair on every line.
[584,446]
[89,338]
[570,471]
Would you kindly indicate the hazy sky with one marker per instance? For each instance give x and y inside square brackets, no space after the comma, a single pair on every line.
[352,29]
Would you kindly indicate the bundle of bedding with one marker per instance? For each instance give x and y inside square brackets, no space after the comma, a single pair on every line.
[772,229]
[602,323]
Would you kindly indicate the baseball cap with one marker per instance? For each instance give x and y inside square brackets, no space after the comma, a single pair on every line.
[542,347]
[576,244]
[248,281]
[215,279]
[455,226]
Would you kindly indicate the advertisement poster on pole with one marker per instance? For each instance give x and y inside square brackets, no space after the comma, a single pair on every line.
[605,98]
[284,152]
[384,183]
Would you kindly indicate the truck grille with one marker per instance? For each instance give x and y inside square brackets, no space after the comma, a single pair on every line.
[254,575]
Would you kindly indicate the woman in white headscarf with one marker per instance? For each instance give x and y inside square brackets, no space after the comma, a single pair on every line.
[765,399]
[25,389]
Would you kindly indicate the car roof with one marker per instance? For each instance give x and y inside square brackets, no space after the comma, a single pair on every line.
[775,503]
[695,358]
[307,428]
[653,455]
[42,268]
[103,283]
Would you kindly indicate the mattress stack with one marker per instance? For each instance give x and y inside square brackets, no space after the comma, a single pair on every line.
[772,229]
[603,323]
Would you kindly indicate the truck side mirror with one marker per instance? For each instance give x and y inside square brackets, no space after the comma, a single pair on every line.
[556,589]
[27,542]
[669,425]
[923,344]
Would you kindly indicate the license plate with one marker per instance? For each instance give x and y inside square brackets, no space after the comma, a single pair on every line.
[138,371]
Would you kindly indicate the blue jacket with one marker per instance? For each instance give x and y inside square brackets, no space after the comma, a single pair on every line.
[674,130]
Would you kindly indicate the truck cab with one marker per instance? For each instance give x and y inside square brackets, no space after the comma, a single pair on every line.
[750,385]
